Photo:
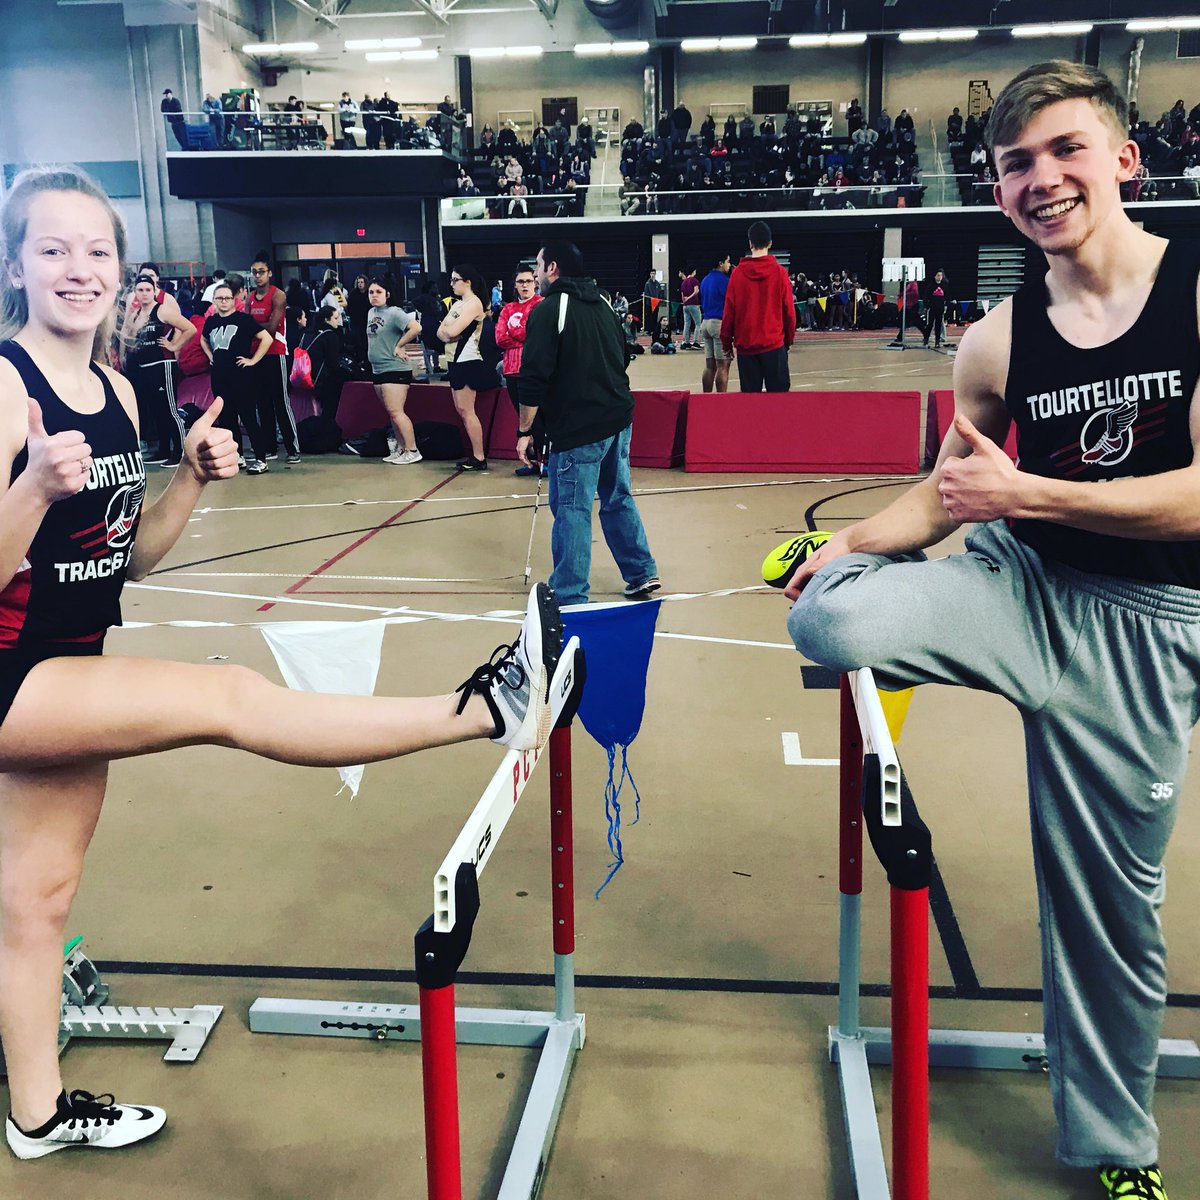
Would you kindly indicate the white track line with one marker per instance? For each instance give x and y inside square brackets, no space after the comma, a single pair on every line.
[646,491]
[503,618]
[793,757]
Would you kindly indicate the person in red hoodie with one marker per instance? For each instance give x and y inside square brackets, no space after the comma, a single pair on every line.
[510,337]
[760,317]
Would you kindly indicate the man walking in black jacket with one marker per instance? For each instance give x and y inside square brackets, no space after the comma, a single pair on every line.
[573,372]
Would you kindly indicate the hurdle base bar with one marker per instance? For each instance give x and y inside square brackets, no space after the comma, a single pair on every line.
[971,1049]
[867,1168]
[558,1040]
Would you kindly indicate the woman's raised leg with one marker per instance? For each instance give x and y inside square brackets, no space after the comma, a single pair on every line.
[66,711]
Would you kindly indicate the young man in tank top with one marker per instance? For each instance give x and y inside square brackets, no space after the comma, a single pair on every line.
[1078,598]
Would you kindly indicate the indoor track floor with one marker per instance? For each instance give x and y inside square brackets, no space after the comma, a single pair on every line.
[706,966]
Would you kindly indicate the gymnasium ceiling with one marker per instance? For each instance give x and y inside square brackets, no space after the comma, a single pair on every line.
[696,18]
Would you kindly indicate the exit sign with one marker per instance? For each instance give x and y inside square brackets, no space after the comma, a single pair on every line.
[361,232]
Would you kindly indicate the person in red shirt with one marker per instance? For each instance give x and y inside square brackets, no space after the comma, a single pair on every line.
[510,337]
[268,306]
[759,317]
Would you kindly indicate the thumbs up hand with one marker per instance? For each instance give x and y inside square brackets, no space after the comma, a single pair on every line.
[982,487]
[210,451]
[59,463]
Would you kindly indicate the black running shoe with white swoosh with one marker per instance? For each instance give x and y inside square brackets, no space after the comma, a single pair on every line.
[87,1122]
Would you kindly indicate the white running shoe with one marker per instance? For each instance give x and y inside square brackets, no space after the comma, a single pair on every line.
[88,1122]
[515,682]
[406,457]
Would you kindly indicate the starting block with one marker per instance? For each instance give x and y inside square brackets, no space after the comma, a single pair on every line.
[86,1013]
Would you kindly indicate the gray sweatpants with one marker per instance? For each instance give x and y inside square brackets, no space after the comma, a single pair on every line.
[1106,675]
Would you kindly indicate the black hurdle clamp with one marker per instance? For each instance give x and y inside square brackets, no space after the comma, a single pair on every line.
[905,850]
[439,955]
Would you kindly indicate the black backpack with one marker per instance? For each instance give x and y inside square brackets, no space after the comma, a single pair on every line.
[319,435]
[438,440]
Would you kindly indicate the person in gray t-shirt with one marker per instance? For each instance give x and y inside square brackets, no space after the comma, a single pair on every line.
[389,330]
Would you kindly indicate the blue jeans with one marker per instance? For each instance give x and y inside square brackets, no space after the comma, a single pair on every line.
[577,477]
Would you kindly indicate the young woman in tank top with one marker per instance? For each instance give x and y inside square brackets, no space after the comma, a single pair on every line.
[153,338]
[72,528]
[469,375]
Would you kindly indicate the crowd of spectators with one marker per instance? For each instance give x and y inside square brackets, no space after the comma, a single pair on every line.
[824,303]
[556,162]
[794,162]
[1170,153]
[1169,147]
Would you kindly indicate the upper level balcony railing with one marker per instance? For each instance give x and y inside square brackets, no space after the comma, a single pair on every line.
[316,129]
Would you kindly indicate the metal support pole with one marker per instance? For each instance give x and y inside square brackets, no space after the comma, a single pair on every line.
[850,843]
[439,1069]
[562,873]
[910,1044]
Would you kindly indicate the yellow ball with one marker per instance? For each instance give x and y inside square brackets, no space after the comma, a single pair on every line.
[781,564]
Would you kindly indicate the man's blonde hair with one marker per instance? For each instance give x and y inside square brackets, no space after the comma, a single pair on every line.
[1047,83]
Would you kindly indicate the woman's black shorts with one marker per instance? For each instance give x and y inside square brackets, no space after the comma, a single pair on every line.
[16,664]
[391,377]
[476,375]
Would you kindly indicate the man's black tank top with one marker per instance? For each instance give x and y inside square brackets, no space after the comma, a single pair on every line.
[69,587]
[1112,412]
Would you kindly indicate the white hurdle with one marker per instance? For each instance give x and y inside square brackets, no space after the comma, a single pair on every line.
[440,946]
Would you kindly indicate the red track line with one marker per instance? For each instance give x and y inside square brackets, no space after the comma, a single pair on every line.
[366,537]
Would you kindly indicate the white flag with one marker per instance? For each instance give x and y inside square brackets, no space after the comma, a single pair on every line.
[330,656]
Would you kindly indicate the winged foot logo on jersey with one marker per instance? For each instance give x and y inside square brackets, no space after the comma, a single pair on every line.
[107,542]
[1116,436]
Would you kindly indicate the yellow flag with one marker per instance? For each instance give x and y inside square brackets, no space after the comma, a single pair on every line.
[821,302]
[895,709]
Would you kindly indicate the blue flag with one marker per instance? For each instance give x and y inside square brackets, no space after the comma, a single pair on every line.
[617,641]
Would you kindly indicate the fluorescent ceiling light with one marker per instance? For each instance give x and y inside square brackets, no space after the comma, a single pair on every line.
[279,47]
[712,43]
[1051,30]
[826,39]
[405,43]
[523,51]
[596,49]
[939,35]
[1154,24]
[418,55]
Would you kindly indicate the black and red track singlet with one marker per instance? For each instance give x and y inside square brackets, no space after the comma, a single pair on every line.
[69,587]
[260,310]
[1116,411]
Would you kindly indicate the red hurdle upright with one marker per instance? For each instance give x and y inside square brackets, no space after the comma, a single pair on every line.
[873,791]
